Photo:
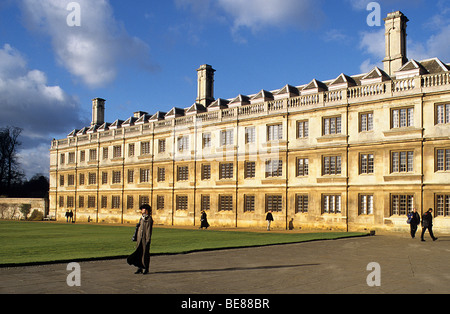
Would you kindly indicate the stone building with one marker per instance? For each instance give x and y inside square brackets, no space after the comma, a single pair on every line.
[352,153]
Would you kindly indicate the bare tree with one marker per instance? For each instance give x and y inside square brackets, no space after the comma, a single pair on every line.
[9,165]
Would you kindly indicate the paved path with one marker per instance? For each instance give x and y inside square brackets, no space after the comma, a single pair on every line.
[338,266]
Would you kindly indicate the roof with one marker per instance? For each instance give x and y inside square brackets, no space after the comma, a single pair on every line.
[376,75]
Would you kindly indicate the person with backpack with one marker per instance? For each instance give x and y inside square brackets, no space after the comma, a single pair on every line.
[414,221]
[427,223]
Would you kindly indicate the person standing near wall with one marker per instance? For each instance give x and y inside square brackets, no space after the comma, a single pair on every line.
[269,219]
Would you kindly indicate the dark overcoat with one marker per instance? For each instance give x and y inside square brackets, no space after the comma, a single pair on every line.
[204,221]
[427,220]
[141,256]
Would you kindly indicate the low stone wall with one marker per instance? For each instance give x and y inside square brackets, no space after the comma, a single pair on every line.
[10,207]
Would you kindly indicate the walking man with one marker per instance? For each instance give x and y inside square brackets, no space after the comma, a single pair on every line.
[427,223]
[141,257]
[414,221]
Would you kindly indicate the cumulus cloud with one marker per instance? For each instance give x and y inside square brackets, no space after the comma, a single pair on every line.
[256,15]
[35,160]
[93,50]
[437,44]
[373,44]
[29,102]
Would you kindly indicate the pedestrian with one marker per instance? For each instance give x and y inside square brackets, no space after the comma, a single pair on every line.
[414,221]
[141,256]
[427,223]
[67,215]
[269,218]
[204,220]
[71,216]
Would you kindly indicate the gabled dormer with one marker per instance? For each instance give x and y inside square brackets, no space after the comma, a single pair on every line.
[410,69]
[262,96]
[240,100]
[218,105]
[435,65]
[342,82]
[375,76]
[143,119]
[82,131]
[129,122]
[157,116]
[73,133]
[314,87]
[175,113]
[116,124]
[287,91]
[194,109]
[92,129]
[104,127]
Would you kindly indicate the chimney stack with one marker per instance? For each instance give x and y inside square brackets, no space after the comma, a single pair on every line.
[395,35]
[98,112]
[205,94]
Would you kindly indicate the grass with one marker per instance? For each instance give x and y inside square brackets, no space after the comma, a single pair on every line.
[38,242]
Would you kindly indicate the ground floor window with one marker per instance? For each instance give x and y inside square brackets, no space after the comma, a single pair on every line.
[206,202]
[274,203]
[331,204]
[301,203]
[104,202]
[91,202]
[225,203]
[159,202]
[182,202]
[443,205]
[143,200]
[130,202]
[81,201]
[249,203]
[366,204]
[115,202]
[402,204]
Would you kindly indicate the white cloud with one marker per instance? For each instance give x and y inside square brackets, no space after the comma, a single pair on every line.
[437,44]
[373,44]
[256,14]
[29,102]
[92,51]
[35,160]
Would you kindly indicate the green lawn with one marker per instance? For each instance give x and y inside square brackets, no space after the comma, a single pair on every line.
[34,242]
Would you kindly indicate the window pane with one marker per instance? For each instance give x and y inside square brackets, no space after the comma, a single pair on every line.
[395,119]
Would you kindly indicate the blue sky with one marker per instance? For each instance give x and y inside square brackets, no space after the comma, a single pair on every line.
[143,55]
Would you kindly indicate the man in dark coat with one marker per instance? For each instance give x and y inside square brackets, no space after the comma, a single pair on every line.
[269,218]
[427,223]
[414,221]
[141,257]
[204,220]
